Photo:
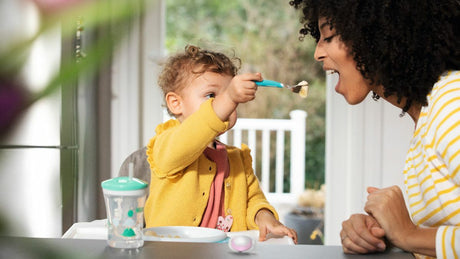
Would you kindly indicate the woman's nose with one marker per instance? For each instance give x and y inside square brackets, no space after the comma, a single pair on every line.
[319,53]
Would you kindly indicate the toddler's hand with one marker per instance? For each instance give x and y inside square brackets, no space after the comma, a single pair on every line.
[242,87]
[267,223]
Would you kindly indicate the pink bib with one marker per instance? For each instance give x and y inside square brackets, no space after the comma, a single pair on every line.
[215,207]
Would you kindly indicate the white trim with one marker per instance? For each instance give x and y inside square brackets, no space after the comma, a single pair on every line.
[136,104]
[154,35]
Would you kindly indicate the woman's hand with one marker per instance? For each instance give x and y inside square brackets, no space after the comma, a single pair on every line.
[362,234]
[267,223]
[387,206]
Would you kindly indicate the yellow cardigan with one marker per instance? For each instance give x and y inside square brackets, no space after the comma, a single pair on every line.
[182,175]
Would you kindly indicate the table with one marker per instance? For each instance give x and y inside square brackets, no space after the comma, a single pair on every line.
[97,229]
[22,247]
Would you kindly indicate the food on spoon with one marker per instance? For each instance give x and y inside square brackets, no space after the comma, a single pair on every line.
[304,89]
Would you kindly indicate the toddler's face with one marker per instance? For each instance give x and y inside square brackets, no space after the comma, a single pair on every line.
[200,89]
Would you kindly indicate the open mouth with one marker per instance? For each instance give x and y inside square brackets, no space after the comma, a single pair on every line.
[331,71]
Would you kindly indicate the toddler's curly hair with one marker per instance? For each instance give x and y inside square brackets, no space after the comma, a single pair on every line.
[403,45]
[183,67]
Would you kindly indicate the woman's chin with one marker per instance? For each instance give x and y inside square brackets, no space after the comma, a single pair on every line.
[337,87]
[353,102]
[353,99]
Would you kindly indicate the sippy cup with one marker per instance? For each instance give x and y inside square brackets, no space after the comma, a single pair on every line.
[124,201]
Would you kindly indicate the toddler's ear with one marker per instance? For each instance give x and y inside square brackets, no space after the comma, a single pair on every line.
[173,101]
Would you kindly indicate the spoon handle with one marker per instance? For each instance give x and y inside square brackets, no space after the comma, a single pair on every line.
[269,83]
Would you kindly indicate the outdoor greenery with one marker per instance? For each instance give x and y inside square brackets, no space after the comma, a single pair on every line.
[264,34]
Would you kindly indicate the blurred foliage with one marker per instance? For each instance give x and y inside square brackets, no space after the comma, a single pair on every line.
[111,16]
[25,22]
[264,34]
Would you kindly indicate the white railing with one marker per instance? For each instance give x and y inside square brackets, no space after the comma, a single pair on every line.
[248,128]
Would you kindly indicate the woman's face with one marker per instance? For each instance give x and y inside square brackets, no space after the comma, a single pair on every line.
[336,58]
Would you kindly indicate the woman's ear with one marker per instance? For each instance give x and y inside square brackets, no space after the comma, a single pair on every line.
[173,101]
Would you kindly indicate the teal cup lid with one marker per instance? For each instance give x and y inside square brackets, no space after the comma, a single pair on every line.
[124,183]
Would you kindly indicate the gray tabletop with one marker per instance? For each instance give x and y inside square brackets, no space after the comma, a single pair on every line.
[19,247]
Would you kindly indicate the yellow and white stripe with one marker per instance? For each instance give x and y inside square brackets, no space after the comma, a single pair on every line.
[432,169]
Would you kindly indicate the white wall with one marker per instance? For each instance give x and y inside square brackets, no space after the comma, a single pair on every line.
[137,100]
[366,145]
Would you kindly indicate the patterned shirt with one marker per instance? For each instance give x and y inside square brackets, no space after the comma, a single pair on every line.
[432,168]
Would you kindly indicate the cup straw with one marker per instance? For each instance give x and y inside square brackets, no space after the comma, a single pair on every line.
[131,170]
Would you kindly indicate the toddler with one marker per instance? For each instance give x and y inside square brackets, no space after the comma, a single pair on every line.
[197,180]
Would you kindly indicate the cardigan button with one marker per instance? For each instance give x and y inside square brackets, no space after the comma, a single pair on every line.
[228,184]
[229,211]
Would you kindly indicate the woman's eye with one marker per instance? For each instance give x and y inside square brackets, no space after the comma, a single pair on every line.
[211,95]
[329,39]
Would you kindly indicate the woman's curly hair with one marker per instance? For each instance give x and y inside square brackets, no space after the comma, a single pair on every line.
[181,68]
[403,45]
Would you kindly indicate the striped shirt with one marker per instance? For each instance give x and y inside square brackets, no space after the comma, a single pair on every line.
[432,168]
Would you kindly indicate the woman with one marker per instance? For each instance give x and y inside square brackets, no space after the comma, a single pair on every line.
[407,53]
